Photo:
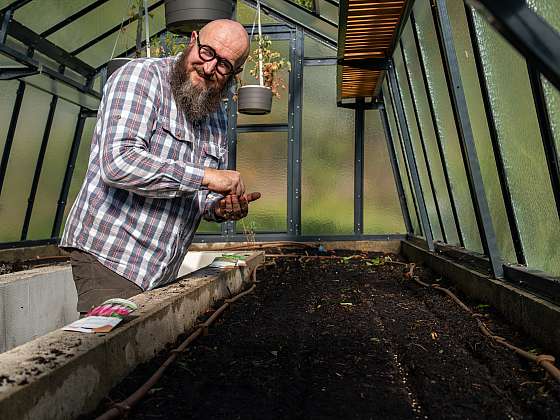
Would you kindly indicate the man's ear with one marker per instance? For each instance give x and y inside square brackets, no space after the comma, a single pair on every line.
[193,38]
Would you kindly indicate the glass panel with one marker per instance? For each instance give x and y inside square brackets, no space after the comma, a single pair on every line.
[429,135]
[80,167]
[416,144]
[54,167]
[308,4]
[50,12]
[247,15]
[437,86]
[8,92]
[328,11]
[209,227]
[382,210]
[23,159]
[123,40]
[93,24]
[262,159]
[401,162]
[522,149]
[279,111]
[481,132]
[327,156]
[549,10]
[316,49]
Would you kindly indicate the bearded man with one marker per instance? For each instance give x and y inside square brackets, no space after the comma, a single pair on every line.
[157,166]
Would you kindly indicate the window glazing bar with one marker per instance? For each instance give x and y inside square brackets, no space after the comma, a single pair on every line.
[72,18]
[359,119]
[530,34]
[436,130]
[422,144]
[11,133]
[500,166]
[396,174]
[61,205]
[38,168]
[468,149]
[399,111]
[546,133]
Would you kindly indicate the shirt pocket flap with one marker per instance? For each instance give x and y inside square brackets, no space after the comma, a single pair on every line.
[174,128]
[214,150]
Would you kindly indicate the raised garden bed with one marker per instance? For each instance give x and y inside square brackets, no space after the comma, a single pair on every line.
[328,338]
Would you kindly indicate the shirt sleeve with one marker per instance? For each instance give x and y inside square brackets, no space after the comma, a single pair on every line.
[212,198]
[131,103]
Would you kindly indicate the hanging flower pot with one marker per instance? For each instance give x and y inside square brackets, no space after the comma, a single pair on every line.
[116,63]
[185,16]
[254,100]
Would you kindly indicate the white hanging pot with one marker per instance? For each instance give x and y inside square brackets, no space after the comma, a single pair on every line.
[116,63]
[254,100]
[185,16]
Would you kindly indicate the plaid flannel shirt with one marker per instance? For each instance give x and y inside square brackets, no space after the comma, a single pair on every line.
[141,201]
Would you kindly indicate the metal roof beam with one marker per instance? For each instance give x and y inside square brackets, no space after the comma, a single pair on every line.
[317,26]
[34,40]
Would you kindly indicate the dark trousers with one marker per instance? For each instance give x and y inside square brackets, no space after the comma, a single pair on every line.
[95,283]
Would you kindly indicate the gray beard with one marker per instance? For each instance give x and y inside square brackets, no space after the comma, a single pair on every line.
[195,102]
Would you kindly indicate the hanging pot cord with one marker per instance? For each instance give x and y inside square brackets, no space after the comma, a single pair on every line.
[257,17]
[122,408]
[544,360]
[119,32]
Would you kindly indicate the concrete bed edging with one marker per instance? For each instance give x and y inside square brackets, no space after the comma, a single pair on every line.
[537,317]
[64,374]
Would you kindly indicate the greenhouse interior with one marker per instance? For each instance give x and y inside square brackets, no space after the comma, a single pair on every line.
[400,260]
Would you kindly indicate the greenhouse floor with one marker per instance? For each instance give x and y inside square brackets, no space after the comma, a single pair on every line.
[336,338]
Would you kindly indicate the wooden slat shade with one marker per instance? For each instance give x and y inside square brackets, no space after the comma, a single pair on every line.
[369,31]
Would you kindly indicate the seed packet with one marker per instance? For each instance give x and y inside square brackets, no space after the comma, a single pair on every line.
[103,318]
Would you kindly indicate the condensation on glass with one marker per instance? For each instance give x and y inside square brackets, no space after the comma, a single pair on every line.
[443,112]
[522,149]
[327,157]
[382,212]
[262,160]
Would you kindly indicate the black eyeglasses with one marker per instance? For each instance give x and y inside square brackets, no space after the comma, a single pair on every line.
[207,53]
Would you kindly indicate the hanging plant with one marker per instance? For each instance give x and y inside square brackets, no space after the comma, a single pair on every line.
[272,63]
[168,45]
[257,99]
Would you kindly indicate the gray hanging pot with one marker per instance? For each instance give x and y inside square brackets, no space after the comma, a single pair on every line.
[185,16]
[254,100]
[116,63]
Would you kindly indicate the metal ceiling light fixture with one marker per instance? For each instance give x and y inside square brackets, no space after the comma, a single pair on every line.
[256,99]
[184,16]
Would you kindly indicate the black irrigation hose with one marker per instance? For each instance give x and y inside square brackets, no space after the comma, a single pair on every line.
[544,360]
[122,408]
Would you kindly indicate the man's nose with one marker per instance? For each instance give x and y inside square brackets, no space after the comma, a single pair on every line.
[209,67]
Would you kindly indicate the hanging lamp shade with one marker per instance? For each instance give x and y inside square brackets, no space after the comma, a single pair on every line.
[185,16]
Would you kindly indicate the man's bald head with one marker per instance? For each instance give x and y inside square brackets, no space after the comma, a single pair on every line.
[227,34]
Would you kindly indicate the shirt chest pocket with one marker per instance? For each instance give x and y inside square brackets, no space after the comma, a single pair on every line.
[211,155]
[171,143]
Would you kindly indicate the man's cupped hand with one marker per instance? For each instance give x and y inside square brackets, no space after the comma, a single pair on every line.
[235,207]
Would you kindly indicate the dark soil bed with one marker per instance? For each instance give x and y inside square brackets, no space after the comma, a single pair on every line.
[346,339]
